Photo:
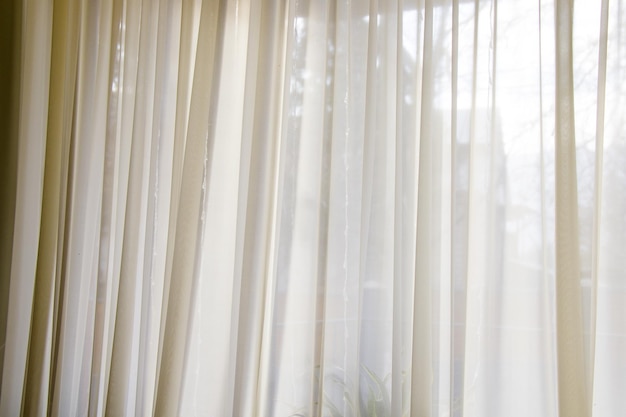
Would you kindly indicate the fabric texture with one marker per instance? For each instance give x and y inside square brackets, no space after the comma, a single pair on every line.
[313,208]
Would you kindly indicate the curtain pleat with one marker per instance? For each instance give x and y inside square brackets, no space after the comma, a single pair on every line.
[404,212]
[107,248]
[196,168]
[599,158]
[610,208]
[422,372]
[61,104]
[35,64]
[313,208]
[10,76]
[463,136]
[125,354]
[258,191]
[571,365]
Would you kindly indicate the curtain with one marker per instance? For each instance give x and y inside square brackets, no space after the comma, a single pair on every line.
[313,208]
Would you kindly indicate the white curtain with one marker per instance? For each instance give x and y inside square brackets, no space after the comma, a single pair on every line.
[313,208]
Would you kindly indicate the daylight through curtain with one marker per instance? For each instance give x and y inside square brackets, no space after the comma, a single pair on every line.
[313,208]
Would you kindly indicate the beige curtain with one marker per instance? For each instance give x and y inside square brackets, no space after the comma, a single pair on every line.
[313,208]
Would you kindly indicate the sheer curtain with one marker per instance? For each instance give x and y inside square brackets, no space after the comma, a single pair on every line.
[313,208]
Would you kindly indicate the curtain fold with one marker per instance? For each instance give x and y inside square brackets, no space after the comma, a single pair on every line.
[313,208]
[571,366]
[45,303]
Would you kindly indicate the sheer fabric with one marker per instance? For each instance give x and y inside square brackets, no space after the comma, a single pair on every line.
[313,208]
